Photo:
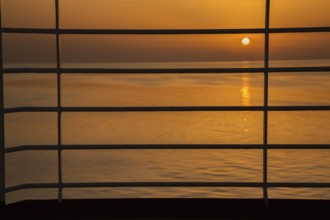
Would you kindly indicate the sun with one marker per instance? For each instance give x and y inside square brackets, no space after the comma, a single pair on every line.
[246,41]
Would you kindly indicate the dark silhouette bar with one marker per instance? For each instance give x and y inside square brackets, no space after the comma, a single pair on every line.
[167,184]
[166,109]
[265,109]
[59,112]
[167,147]
[64,31]
[2,126]
[166,70]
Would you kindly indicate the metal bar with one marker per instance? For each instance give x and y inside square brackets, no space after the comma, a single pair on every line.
[298,69]
[135,109]
[162,31]
[135,71]
[30,147]
[30,109]
[168,147]
[163,147]
[59,112]
[299,146]
[133,31]
[167,70]
[134,147]
[299,108]
[29,70]
[167,184]
[265,124]
[165,31]
[10,30]
[135,184]
[32,186]
[165,109]
[299,30]
[299,185]
[164,184]
[2,124]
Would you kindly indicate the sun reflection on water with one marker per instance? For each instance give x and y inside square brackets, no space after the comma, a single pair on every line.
[246,94]
[245,90]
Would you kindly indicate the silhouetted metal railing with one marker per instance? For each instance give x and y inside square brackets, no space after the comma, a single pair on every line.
[165,31]
[59,109]
[2,125]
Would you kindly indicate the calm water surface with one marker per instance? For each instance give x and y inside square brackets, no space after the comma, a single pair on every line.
[169,128]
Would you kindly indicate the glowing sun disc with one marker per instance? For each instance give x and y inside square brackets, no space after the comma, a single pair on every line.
[246,41]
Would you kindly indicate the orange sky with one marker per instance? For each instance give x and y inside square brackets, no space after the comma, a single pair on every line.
[166,14]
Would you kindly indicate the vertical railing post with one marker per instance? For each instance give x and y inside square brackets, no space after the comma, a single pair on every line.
[265,125]
[2,125]
[59,111]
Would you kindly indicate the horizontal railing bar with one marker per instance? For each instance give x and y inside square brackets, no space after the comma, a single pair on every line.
[134,70]
[168,147]
[163,147]
[134,184]
[166,184]
[299,108]
[134,147]
[32,186]
[30,147]
[299,30]
[166,109]
[133,31]
[30,109]
[165,70]
[298,146]
[164,31]
[10,30]
[299,69]
[299,185]
[29,70]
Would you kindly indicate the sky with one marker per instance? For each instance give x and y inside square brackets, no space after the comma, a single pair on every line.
[164,14]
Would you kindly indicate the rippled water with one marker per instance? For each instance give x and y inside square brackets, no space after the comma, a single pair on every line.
[168,128]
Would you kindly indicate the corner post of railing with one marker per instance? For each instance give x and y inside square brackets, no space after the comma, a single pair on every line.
[2,125]
[265,125]
[59,111]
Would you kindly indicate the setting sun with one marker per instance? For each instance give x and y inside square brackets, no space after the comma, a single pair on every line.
[246,41]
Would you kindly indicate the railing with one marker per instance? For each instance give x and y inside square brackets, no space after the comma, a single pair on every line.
[59,109]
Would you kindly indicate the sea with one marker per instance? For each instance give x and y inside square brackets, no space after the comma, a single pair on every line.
[175,89]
